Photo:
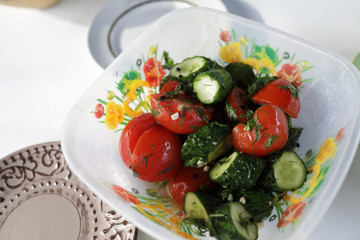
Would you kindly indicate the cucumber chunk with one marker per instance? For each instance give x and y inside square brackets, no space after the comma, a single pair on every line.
[294,135]
[232,221]
[213,86]
[242,73]
[286,173]
[189,66]
[186,71]
[256,201]
[205,145]
[199,205]
[238,170]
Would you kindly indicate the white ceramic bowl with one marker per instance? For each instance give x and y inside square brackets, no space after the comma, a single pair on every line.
[329,114]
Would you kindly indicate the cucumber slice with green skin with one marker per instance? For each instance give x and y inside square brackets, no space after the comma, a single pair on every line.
[232,221]
[238,171]
[242,73]
[187,70]
[207,144]
[290,171]
[213,86]
[189,66]
[199,205]
[256,201]
[286,173]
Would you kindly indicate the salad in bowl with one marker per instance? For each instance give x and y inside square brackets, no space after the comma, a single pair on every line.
[211,126]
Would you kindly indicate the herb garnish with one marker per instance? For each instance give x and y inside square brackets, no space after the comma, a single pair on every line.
[166,170]
[202,114]
[270,141]
[259,83]
[168,61]
[135,174]
[294,91]
[145,158]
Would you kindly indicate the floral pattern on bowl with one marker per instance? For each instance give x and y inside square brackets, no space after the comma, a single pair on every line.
[129,98]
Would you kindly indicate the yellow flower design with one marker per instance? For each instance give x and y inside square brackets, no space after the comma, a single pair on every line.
[253,62]
[153,50]
[132,113]
[266,63]
[110,95]
[292,198]
[304,64]
[260,63]
[231,53]
[326,150]
[243,41]
[131,96]
[114,115]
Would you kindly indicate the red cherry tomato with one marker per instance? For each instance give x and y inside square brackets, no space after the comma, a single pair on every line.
[156,156]
[131,134]
[282,94]
[225,36]
[236,105]
[99,110]
[181,114]
[188,179]
[268,133]
[169,86]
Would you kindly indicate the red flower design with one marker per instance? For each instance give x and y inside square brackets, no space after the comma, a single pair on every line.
[125,195]
[225,36]
[340,134]
[291,214]
[153,72]
[290,73]
[99,110]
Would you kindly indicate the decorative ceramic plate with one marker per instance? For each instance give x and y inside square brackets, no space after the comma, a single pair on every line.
[330,107]
[40,198]
[118,23]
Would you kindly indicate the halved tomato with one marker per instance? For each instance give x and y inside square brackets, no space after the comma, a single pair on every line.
[236,106]
[131,133]
[281,93]
[181,114]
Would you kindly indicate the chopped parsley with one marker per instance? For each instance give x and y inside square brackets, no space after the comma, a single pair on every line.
[168,61]
[166,170]
[294,91]
[259,83]
[270,141]
[145,158]
[135,174]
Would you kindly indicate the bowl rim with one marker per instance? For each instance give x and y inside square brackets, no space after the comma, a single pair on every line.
[158,231]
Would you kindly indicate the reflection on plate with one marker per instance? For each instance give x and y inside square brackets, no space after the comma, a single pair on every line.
[120,22]
[40,198]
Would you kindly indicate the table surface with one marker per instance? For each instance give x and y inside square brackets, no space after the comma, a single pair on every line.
[46,65]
